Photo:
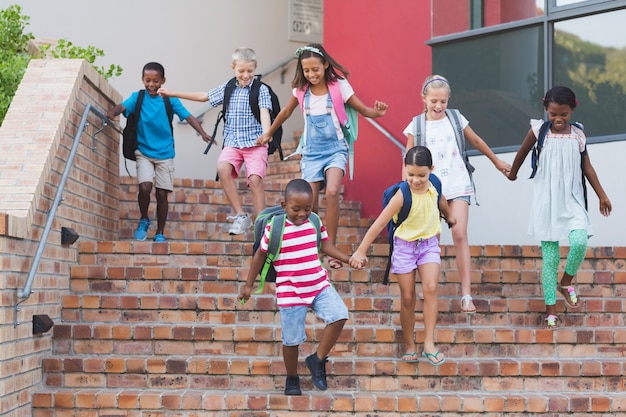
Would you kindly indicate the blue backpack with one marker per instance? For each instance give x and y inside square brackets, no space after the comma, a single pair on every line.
[404,212]
[543,131]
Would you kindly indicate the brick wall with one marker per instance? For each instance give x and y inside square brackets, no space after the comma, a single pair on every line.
[35,141]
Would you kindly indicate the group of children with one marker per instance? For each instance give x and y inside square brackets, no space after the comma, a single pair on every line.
[302,282]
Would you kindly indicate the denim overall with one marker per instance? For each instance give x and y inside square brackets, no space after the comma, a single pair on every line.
[321,143]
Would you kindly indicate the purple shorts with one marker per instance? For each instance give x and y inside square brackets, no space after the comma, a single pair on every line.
[408,256]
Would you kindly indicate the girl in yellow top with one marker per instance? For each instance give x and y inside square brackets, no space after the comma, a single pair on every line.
[415,247]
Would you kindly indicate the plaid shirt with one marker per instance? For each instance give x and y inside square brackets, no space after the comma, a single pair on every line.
[241,129]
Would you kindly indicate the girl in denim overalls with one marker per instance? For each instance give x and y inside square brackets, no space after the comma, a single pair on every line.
[324,149]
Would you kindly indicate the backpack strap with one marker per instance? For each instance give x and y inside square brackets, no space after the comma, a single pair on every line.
[277,226]
[138,104]
[419,127]
[455,116]
[255,89]
[338,104]
[228,91]
[541,136]
[437,184]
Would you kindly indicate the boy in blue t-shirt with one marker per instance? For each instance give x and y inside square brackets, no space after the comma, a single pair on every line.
[242,135]
[155,146]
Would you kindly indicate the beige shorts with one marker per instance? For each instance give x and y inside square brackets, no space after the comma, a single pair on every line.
[161,171]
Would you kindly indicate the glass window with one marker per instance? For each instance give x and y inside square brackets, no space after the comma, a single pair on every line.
[496,82]
[456,16]
[590,58]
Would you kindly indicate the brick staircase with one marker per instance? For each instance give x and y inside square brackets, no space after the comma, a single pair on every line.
[154,330]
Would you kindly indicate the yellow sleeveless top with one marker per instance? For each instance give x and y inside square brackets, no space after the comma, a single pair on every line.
[423,221]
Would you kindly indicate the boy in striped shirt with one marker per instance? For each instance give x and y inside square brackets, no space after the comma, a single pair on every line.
[302,282]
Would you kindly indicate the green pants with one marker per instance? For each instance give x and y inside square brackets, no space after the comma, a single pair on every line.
[551,258]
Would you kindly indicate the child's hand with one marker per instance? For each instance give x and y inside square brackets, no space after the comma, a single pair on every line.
[262,140]
[208,139]
[380,107]
[244,295]
[503,167]
[112,117]
[163,92]
[605,206]
[451,221]
[511,176]
[357,260]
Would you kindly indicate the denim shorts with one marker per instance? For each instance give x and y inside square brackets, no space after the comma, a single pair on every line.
[318,156]
[465,198]
[328,306]
[408,256]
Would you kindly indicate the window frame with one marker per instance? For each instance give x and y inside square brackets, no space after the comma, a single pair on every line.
[553,14]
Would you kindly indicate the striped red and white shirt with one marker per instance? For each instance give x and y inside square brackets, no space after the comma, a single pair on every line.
[300,275]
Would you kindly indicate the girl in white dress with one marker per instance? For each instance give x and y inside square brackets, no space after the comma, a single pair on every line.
[559,207]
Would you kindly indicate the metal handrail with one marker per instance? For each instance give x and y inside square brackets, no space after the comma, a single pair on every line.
[25,293]
[282,66]
[386,133]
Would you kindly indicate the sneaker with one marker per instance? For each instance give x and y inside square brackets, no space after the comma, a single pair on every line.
[240,224]
[317,367]
[159,237]
[292,386]
[142,230]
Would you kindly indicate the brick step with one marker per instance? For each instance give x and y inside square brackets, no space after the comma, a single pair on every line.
[367,309]
[103,371]
[246,402]
[383,341]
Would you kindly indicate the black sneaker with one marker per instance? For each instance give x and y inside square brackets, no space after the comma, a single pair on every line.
[292,386]
[317,367]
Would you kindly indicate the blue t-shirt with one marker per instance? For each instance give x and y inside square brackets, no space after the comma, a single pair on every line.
[154,134]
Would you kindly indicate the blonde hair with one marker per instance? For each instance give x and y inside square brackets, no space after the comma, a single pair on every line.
[244,54]
[435,81]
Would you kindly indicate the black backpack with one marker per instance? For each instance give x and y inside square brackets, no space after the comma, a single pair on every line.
[277,137]
[129,135]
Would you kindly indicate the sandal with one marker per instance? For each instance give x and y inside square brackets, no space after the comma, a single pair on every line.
[410,357]
[334,263]
[432,358]
[569,295]
[552,322]
[466,304]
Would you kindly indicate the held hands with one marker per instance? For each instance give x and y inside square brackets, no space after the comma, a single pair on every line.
[358,260]
[504,168]
[263,139]
[451,221]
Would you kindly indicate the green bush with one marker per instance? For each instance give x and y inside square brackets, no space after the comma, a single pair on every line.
[14,55]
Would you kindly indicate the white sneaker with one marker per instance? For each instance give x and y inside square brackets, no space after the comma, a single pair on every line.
[240,224]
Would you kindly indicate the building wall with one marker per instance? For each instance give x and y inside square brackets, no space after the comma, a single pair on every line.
[35,141]
[193,39]
[385,48]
